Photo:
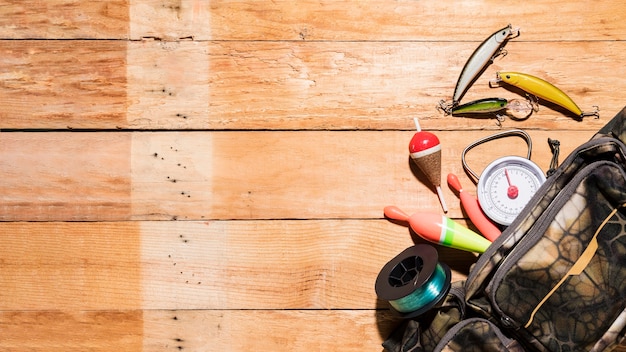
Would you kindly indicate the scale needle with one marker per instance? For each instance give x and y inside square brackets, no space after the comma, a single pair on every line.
[512,191]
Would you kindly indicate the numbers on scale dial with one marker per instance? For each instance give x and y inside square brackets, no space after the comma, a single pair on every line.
[509,190]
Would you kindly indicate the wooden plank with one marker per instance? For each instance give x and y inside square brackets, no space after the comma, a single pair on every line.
[318,85]
[235,175]
[287,264]
[273,264]
[70,266]
[381,20]
[326,330]
[306,20]
[198,330]
[384,85]
[70,330]
[291,330]
[64,19]
[68,176]
[57,84]
[169,86]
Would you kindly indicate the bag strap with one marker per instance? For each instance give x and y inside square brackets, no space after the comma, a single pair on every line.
[616,127]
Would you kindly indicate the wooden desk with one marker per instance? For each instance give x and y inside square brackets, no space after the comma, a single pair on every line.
[210,175]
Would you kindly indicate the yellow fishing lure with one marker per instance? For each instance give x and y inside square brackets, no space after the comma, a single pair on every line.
[541,89]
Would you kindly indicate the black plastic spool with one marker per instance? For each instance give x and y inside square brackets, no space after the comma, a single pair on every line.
[408,272]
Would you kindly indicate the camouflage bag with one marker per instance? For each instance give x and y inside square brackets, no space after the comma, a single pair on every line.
[555,280]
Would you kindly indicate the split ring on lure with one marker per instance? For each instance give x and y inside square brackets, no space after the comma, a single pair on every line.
[498,107]
[484,55]
[541,89]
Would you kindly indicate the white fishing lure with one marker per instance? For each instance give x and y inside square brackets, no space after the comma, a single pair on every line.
[482,57]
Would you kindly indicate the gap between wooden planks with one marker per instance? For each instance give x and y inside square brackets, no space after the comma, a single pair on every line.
[104,176]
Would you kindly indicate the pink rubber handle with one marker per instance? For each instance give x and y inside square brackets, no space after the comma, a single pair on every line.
[486,227]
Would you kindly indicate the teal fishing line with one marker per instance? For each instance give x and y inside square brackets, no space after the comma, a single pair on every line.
[414,281]
[424,295]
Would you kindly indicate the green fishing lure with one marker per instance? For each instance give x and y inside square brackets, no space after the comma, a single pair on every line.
[498,107]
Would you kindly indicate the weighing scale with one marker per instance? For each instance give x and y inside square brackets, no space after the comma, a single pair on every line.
[507,184]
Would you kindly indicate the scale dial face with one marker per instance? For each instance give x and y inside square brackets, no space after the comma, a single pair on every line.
[506,186]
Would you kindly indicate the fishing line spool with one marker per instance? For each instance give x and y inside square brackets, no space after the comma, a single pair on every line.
[414,281]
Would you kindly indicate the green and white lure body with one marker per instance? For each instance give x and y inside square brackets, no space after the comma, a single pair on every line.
[498,107]
[481,106]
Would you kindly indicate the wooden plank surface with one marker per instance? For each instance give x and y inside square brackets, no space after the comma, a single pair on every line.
[210,174]
[50,84]
[315,85]
[375,20]
[194,330]
[263,264]
[236,174]
[64,19]
[63,330]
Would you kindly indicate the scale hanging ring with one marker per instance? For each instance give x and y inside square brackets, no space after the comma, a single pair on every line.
[510,133]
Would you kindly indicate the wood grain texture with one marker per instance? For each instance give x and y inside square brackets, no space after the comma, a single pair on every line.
[325,264]
[100,266]
[198,330]
[319,85]
[70,266]
[200,175]
[68,330]
[195,330]
[235,175]
[273,330]
[68,176]
[65,85]
[306,20]
[64,19]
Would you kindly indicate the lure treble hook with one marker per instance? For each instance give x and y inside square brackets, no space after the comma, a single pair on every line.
[495,83]
[445,107]
[595,112]
[502,52]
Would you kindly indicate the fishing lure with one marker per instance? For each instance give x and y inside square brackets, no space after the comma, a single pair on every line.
[541,89]
[498,107]
[484,55]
